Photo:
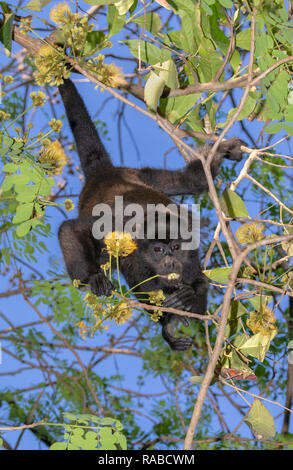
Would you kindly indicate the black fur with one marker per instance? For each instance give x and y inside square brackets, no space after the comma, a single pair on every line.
[83,254]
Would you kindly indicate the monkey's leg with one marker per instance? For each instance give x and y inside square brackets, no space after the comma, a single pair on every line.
[200,288]
[81,254]
[190,298]
[192,179]
[169,323]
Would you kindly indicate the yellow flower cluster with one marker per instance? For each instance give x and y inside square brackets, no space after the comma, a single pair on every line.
[25,24]
[105,267]
[83,329]
[4,116]
[156,297]
[74,27]
[60,14]
[8,79]
[119,244]
[76,283]
[173,276]
[38,98]
[52,156]
[69,206]
[51,66]
[156,315]
[250,233]
[56,125]
[108,74]
[262,322]
[121,313]
[5,80]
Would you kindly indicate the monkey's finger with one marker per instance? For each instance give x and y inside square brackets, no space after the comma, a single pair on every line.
[181,300]
[181,344]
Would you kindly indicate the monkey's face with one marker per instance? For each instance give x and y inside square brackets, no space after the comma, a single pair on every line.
[167,260]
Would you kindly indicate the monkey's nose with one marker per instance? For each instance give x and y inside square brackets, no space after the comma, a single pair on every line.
[169,264]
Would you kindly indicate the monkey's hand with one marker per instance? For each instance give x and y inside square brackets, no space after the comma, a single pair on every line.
[231,149]
[182,299]
[100,284]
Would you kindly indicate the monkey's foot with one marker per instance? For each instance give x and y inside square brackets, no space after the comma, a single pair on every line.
[231,149]
[100,284]
[170,321]
[180,344]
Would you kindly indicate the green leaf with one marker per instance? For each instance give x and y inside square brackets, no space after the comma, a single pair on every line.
[45,188]
[233,323]
[176,108]
[23,228]
[37,5]
[197,379]
[115,21]
[10,168]
[121,440]
[288,128]
[232,204]
[247,109]
[23,212]
[8,141]
[226,3]
[258,345]
[168,72]
[220,275]
[260,301]
[153,90]
[107,439]
[7,183]
[109,421]
[209,64]
[28,195]
[243,39]
[59,446]
[152,22]
[6,30]
[274,128]
[94,39]
[123,6]
[261,421]
[186,34]
[205,6]
[148,52]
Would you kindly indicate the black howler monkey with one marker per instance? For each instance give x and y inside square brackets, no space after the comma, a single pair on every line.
[83,253]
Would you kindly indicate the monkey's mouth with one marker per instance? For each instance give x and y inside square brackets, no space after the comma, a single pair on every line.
[171,278]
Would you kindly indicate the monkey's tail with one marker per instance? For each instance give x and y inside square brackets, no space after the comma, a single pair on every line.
[90,149]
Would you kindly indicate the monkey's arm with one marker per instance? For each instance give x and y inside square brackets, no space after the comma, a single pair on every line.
[190,298]
[191,179]
[81,255]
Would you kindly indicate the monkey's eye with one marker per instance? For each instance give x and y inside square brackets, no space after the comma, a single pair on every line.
[175,247]
[158,249]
